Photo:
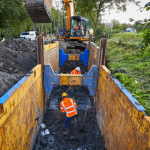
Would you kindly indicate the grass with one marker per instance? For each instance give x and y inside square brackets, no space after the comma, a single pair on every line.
[130,63]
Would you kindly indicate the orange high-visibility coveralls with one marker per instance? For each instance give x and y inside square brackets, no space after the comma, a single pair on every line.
[74,72]
[69,106]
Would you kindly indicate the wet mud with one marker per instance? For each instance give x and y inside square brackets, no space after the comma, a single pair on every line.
[89,139]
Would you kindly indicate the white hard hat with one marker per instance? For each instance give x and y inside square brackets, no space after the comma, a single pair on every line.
[78,69]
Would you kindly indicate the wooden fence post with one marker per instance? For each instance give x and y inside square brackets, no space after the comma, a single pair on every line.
[90,40]
[57,39]
[90,52]
[40,59]
[103,46]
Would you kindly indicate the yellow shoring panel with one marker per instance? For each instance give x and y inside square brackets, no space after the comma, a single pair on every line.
[46,47]
[53,45]
[64,79]
[50,46]
[95,54]
[70,79]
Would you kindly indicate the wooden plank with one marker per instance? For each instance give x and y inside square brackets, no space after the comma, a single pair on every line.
[103,47]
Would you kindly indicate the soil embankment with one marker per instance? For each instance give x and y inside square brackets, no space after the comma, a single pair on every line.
[17,57]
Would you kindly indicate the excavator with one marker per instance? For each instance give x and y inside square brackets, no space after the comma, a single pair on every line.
[74,31]
[77,27]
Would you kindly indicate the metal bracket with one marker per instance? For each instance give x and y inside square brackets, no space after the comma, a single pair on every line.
[83,57]
[90,79]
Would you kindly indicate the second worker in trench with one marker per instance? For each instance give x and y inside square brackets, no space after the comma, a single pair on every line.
[68,105]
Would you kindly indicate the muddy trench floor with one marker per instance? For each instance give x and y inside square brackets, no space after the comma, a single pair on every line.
[89,139]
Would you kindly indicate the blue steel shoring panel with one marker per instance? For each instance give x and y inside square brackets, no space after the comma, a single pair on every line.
[89,79]
[84,57]
[50,79]
[14,88]
[129,95]
[62,57]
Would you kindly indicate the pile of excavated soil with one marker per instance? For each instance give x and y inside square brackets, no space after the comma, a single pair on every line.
[17,57]
[89,139]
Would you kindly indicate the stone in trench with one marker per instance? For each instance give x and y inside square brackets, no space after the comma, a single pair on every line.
[43,142]
[50,138]
[1,64]
[16,70]
[89,148]
[10,69]
[72,137]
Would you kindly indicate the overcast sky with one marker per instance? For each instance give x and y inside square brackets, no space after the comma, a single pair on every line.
[131,12]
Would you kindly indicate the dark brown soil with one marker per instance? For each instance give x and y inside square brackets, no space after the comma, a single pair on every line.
[73,51]
[89,139]
[17,57]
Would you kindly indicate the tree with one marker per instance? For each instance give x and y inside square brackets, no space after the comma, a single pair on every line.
[93,9]
[124,26]
[144,25]
[14,18]
[116,24]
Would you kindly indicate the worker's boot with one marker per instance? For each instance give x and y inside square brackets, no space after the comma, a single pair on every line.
[67,131]
[75,122]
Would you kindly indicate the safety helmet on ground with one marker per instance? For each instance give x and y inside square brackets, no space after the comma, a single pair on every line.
[64,94]
[78,69]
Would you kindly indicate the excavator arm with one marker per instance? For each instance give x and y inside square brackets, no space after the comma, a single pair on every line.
[70,11]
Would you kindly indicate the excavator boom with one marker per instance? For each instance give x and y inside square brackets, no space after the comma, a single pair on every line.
[70,11]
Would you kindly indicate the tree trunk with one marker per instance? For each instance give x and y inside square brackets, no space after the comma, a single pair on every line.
[33,26]
[98,12]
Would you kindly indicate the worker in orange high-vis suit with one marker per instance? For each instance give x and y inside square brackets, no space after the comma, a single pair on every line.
[68,106]
[75,71]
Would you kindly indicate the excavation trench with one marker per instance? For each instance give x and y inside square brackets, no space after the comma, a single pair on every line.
[89,139]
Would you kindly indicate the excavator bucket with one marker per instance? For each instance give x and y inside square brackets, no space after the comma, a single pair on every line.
[39,10]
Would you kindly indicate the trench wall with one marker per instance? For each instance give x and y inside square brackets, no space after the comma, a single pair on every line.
[121,118]
[18,109]
[51,55]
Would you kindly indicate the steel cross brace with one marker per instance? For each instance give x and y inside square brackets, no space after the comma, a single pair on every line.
[89,79]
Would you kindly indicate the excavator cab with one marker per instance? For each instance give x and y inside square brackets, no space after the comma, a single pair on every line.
[79,27]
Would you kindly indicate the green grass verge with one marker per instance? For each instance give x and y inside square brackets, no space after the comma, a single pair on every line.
[131,65]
